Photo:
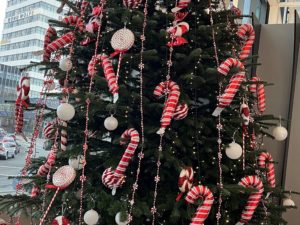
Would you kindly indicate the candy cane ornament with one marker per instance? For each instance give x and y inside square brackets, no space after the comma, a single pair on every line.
[176,33]
[44,169]
[63,136]
[109,73]
[131,4]
[181,111]
[254,198]
[22,102]
[203,210]
[185,181]
[63,40]
[115,178]
[246,32]
[234,83]
[265,161]
[49,130]
[258,91]
[171,89]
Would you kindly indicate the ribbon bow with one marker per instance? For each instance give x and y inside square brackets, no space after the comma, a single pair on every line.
[176,32]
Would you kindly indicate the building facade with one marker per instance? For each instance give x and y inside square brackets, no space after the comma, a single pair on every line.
[23,34]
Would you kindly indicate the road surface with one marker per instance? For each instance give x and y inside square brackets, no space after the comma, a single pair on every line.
[12,167]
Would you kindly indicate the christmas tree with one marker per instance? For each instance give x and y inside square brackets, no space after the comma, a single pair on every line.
[160,119]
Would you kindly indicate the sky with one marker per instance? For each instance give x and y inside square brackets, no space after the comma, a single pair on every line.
[2,13]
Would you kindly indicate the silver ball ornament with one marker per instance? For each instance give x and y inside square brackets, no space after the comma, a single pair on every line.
[234,151]
[280,133]
[65,64]
[91,217]
[65,111]
[111,123]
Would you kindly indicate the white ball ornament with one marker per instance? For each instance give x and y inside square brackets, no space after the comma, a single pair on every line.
[119,220]
[288,202]
[91,217]
[65,64]
[76,162]
[234,151]
[65,111]
[111,123]
[122,40]
[280,133]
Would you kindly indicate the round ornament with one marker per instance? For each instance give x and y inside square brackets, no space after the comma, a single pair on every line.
[65,64]
[64,176]
[76,162]
[122,40]
[65,111]
[61,220]
[288,202]
[280,133]
[119,220]
[91,217]
[234,151]
[50,86]
[111,123]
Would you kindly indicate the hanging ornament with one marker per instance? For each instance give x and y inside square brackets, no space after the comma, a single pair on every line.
[234,83]
[200,192]
[131,4]
[245,114]
[234,10]
[122,40]
[176,33]
[91,217]
[109,73]
[77,162]
[2,222]
[65,64]
[280,133]
[65,111]
[44,169]
[49,85]
[171,89]
[118,219]
[63,136]
[247,34]
[288,202]
[265,161]
[182,4]
[111,123]
[258,90]
[185,181]
[234,150]
[181,111]
[61,220]
[95,21]
[254,198]
[22,102]
[115,178]
[49,131]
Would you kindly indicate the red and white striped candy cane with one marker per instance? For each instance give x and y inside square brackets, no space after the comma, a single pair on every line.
[131,4]
[108,70]
[258,91]
[50,34]
[22,100]
[35,191]
[254,198]
[181,111]
[172,90]
[265,161]
[115,178]
[246,33]
[245,114]
[203,210]
[49,131]
[63,136]
[44,169]
[185,181]
[234,83]
[63,40]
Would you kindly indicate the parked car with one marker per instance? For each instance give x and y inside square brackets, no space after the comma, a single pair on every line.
[11,140]
[7,149]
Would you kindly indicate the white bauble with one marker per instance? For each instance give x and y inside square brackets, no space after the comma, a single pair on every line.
[76,162]
[234,151]
[65,111]
[91,217]
[288,202]
[50,86]
[111,123]
[65,64]
[119,220]
[280,133]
